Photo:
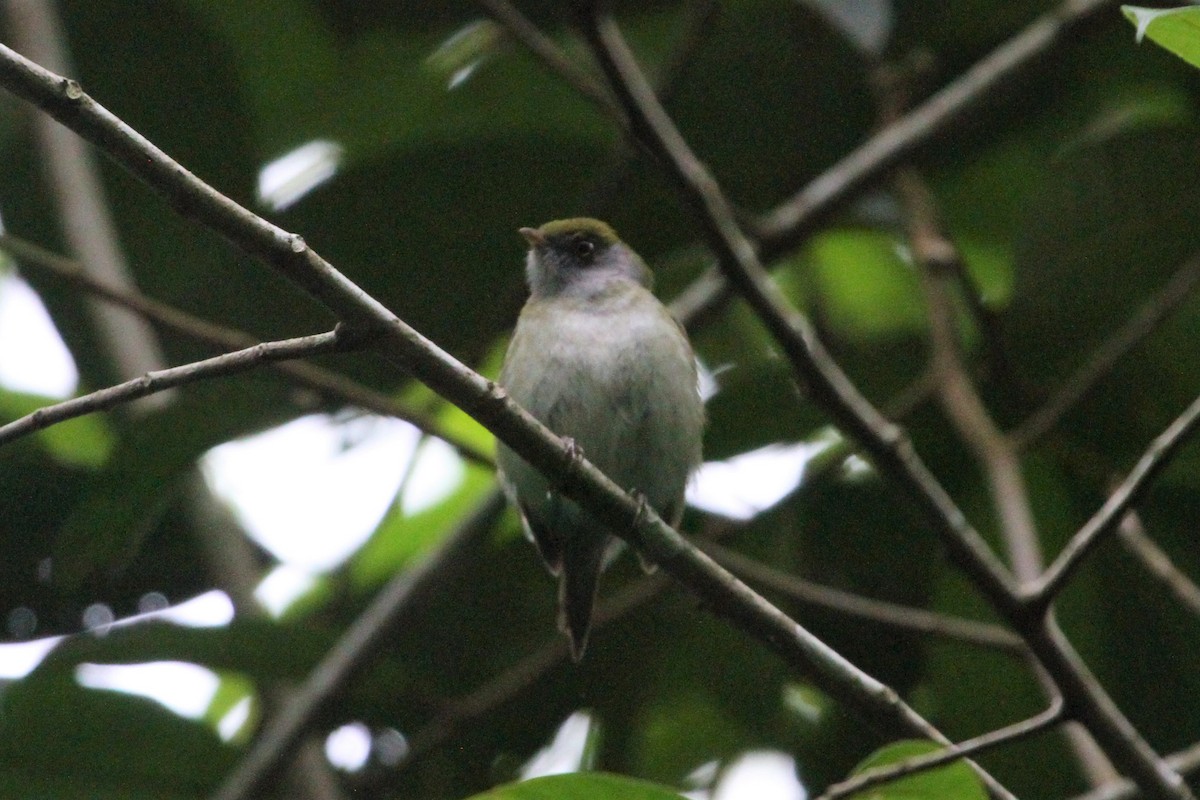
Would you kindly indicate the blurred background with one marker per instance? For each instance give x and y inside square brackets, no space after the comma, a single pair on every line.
[167,569]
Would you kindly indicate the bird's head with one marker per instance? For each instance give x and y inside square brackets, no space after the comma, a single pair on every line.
[579,256]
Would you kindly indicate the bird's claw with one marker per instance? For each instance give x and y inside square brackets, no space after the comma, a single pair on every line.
[643,505]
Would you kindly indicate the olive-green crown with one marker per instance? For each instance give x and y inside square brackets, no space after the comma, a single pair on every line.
[601,230]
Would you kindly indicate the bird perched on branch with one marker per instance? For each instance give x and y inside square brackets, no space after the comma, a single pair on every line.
[600,361]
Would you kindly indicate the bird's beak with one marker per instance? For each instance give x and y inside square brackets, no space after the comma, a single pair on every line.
[533,236]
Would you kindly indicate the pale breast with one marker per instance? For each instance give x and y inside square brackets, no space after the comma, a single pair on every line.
[620,380]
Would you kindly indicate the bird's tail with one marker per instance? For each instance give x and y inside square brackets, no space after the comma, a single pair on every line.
[583,559]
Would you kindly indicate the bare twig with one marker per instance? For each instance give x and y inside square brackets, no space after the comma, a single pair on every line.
[886,444]
[327,382]
[906,618]
[893,772]
[1156,561]
[157,381]
[793,220]
[790,223]
[1108,518]
[1104,358]
[577,478]
[355,647]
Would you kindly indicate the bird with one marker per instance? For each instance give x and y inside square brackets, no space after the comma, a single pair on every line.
[602,363]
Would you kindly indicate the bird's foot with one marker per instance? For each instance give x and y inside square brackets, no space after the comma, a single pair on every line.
[574,456]
[643,506]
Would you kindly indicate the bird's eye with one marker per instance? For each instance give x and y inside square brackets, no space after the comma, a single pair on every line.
[584,249]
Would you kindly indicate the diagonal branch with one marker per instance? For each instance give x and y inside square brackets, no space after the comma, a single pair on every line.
[791,221]
[1185,762]
[552,56]
[1104,358]
[577,478]
[885,443]
[1105,521]
[912,766]
[159,380]
[327,382]
[1158,563]
[906,618]
[939,259]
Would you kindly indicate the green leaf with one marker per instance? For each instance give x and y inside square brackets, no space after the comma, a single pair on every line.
[461,54]
[865,286]
[1174,29]
[80,442]
[580,786]
[955,781]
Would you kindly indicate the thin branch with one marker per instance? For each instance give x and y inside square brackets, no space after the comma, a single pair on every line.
[552,56]
[577,478]
[328,383]
[783,228]
[1008,734]
[889,449]
[923,763]
[825,381]
[1104,358]
[790,222]
[1156,561]
[159,380]
[1156,458]
[906,618]
[362,640]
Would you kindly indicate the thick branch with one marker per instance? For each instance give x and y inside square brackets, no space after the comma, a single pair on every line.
[83,210]
[159,380]
[884,442]
[487,403]
[886,445]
